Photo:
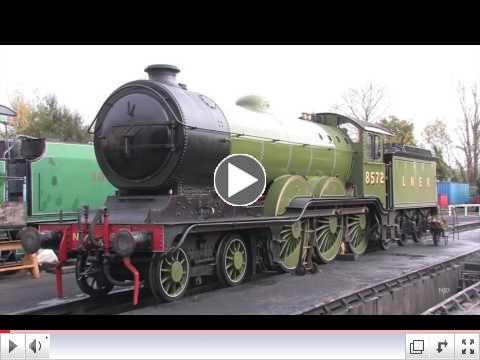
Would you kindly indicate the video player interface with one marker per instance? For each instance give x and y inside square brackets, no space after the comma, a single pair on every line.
[236,345]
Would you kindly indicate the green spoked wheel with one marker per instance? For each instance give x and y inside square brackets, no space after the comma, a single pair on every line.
[90,277]
[356,233]
[328,238]
[170,275]
[286,248]
[290,244]
[232,260]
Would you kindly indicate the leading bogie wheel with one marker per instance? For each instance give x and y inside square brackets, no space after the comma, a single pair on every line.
[232,260]
[90,277]
[170,275]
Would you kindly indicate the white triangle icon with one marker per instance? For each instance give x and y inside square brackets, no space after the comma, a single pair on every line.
[238,180]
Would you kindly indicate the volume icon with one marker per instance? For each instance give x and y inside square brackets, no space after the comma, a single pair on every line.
[35,346]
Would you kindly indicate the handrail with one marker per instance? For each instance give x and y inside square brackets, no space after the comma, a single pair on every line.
[466,206]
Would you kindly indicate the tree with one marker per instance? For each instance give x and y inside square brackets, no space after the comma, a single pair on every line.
[460,170]
[444,171]
[47,119]
[469,103]
[436,135]
[23,108]
[402,130]
[362,104]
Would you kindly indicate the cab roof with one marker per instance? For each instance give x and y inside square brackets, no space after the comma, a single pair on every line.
[338,119]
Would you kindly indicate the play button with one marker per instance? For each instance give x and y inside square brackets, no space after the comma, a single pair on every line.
[239,179]
[11,346]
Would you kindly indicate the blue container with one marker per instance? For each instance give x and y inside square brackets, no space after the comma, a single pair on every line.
[443,188]
[457,193]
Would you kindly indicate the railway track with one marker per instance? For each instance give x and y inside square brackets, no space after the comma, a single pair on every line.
[346,303]
[116,302]
[461,301]
[120,301]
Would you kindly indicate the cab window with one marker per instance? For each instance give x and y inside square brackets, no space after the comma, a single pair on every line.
[352,132]
[374,146]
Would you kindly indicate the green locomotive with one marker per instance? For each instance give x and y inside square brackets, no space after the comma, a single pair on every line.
[328,155]
[334,186]
[47,181]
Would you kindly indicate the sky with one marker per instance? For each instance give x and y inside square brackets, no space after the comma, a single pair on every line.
[420,82]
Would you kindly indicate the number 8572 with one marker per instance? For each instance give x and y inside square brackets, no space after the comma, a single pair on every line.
[374,177]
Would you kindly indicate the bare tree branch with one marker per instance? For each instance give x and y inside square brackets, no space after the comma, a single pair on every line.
[469,104]
[362,104]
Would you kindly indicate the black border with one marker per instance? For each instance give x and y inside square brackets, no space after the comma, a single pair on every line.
[273,322]
[328,22]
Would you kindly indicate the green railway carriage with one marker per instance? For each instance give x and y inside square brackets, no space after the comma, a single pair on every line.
[334,186]
[64,179]
[51,181]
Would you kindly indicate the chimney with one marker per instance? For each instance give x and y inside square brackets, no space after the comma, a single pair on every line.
[163,73]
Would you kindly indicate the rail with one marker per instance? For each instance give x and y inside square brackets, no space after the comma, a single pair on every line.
[461,301]
[345,303]
[465,206]
[116,302]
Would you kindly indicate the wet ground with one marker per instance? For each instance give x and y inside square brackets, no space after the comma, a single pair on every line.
[19,290]
[274,294]
[291,294]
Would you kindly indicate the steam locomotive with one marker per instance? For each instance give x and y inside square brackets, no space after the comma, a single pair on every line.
[36,182]
[334,186]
